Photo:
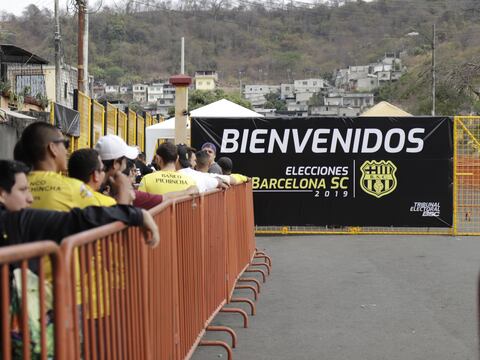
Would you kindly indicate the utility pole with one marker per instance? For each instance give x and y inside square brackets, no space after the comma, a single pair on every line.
[82,46]
[433,71]
[85,52]
[58,84]
[182,59]
[240,81]
[432,43]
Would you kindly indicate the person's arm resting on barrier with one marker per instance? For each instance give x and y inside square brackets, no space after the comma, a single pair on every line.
[192,190]
[32,224]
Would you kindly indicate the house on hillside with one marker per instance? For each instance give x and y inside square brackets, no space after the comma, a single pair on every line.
[205,80]
[343,104]
[112,89]
[287,91]
[167,98]
[31,76]
[154,92]
[256,93]
[371,76]
[139,92]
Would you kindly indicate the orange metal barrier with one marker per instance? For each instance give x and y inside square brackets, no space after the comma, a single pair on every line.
[120,299]
[107,295]
[31,285]
[162,287]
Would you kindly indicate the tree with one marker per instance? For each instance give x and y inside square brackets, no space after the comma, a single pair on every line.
[274,101]
[199,98]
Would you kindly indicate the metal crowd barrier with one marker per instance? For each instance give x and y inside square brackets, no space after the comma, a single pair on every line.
[124,300]
[25,319]
[115,298]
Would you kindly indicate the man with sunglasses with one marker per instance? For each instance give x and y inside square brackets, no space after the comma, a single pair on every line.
[45,149]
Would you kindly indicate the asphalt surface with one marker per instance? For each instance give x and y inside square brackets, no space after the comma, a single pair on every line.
[363,298]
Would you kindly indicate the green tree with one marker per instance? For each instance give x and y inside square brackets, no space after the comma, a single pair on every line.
[199,98]
[274,101]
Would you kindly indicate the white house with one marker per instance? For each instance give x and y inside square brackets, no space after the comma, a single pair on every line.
[154,92]
[139,92]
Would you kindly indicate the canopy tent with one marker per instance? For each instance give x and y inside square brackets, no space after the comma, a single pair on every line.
[384,108]
[219,109]
[224,109]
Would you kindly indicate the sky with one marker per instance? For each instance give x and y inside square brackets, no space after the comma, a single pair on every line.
[16,6]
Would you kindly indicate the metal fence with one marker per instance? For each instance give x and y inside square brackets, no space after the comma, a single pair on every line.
[98,119]
[467,175]
[31,307]
[115,298]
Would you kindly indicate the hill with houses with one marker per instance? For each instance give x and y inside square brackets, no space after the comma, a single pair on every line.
[251,42]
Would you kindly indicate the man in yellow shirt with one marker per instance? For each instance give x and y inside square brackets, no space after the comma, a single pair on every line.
[86,166]
[167,179]
[45,149]
[227,165]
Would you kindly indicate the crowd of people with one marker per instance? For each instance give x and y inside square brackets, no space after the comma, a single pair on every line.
[47,193]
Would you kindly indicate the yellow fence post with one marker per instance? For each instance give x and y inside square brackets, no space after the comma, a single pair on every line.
[132,128]
[122,125]
[98,121]
[111,128]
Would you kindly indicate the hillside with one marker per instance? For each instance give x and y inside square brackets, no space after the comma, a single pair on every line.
[266,42]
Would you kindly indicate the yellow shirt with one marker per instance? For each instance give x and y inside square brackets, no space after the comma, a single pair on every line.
[101,199]
[53,191]
[162,182]
[239,178]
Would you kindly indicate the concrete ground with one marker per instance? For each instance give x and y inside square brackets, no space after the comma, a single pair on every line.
[363,298]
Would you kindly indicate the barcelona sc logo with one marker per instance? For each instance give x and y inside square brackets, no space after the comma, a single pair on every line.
[378,177]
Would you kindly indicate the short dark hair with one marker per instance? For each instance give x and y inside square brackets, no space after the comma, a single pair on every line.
[226,164]
[129,167]
[141,156]
[108,164]
[168,152]
[82,164]
[18,152]
[35,139]
[8,170]
[202,158]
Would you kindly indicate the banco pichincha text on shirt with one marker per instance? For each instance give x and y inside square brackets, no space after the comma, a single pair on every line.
[365,171]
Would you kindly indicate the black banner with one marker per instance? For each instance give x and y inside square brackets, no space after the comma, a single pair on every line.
[67,120]
[341,171]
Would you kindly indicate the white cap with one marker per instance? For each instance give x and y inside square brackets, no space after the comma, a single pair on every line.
[111,147]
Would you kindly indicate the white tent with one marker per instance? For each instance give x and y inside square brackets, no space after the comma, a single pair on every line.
[219,109]
[224,109]
[384,108]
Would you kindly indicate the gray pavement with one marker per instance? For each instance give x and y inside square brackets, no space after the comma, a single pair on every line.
[361,297]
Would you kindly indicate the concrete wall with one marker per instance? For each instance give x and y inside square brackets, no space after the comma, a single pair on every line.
[11,131]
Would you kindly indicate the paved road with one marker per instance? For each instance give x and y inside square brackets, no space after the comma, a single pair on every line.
[362,298]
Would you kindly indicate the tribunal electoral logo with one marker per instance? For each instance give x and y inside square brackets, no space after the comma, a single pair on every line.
[378,177]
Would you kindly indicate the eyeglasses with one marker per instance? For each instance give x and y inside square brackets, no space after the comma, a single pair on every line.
[66,142]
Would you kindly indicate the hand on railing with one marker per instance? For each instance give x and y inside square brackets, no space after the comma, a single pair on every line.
[150,230]
[222,185]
